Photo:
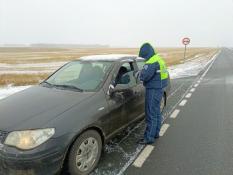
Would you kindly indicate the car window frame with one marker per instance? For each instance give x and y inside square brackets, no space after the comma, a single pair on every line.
[132,65]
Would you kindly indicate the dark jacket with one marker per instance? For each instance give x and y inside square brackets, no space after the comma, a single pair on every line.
[164,83]
[149,75]
[151,79]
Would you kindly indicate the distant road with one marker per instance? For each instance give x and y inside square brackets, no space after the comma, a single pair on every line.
[199,140]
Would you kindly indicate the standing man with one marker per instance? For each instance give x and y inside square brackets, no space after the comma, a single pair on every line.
[154,76]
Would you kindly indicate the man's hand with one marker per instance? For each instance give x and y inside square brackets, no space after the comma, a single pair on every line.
[137,75]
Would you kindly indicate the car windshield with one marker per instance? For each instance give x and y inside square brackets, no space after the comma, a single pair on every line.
[81,75]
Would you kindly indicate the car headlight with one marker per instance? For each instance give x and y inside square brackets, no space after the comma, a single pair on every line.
[29,139]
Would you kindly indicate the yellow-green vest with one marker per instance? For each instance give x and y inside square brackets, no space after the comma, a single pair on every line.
[163,69]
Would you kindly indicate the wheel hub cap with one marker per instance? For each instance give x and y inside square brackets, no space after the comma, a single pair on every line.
[87,154]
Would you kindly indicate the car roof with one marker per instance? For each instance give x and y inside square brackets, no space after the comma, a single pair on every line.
[110,57]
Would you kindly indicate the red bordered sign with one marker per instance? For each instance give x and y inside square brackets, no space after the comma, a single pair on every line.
[186,41]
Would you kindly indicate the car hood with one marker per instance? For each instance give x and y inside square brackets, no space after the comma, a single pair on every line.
[34,107]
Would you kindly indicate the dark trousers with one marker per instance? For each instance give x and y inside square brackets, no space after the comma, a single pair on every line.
[153,114]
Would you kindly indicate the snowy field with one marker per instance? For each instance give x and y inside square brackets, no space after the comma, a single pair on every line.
[30,68]
[189,68]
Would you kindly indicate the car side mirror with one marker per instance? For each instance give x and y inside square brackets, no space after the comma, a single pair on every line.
[121,88]
[117,88]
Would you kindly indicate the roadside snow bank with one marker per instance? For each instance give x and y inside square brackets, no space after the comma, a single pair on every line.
[189,68]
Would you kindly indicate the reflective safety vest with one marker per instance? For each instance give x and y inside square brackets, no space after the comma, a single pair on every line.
[163,69]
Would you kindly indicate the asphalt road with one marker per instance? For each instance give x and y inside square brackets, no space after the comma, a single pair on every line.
[199,140]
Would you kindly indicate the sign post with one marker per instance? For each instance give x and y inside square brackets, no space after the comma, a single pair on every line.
[185,41]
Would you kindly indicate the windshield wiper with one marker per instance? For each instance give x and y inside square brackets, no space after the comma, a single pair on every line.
[62,86]
[69,87]
[47,83]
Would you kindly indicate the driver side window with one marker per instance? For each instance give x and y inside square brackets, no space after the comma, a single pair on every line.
[125,75]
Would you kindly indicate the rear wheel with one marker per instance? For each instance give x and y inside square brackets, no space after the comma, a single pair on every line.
[163,103]
[85,153]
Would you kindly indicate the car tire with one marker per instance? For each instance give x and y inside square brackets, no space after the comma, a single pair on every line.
[85,153]
[163,103]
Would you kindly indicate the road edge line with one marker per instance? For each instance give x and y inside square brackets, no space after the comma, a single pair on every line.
[143,156]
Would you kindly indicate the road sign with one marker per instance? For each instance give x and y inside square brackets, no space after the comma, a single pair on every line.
[186,41]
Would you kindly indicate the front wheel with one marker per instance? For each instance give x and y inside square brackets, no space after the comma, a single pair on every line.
[85,153]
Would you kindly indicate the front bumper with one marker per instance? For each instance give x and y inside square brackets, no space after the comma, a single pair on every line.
[47,159]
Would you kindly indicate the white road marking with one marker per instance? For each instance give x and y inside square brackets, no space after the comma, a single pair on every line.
[214,58]
[143,156]
[175,113]
[196,85]
[175,90]
[183,102]
[188,95]
[163,129]
[182,97]
[198,81]
[192,90]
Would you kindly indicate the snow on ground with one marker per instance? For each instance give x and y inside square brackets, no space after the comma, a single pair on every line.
[34,65]
[30,68]
[186,69]
[9,90]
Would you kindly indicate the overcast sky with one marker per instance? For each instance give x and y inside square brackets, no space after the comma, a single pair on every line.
[117,22]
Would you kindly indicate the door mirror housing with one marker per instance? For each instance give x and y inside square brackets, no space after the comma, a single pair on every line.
[120,88]
[117,88]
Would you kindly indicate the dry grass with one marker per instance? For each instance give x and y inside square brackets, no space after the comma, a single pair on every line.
[21,79]
[36,55]
[175,56]
[46,55]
